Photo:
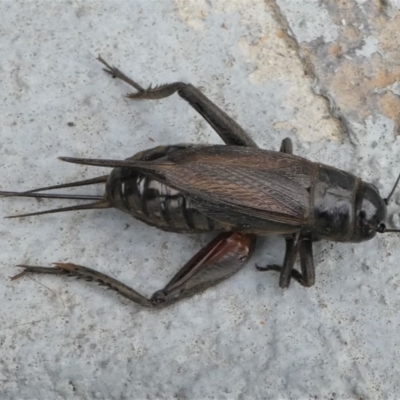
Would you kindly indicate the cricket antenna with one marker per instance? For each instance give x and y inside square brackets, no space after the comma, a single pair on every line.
[392,191]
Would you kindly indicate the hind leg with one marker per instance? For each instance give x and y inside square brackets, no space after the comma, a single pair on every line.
[228,129]
[215,262]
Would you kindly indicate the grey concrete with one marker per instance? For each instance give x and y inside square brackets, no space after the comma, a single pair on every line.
[246,338]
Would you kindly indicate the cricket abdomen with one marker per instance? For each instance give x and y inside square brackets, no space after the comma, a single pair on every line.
[154,202]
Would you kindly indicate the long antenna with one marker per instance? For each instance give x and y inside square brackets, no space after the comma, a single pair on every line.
[391,193]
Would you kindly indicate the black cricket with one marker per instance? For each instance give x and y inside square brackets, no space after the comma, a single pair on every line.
[235,189]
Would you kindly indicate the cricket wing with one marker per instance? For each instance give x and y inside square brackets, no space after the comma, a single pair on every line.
[258,183]
[261,194]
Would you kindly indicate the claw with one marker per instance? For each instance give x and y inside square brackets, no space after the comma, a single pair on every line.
[116,73]
[21,274]
[110,68]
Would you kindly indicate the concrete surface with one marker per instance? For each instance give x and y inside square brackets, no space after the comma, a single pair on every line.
[325,74]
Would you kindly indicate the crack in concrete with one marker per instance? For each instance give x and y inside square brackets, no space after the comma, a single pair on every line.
[309,69]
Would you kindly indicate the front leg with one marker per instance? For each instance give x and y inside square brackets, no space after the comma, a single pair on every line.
[228,129]
[215,262]
[307,259]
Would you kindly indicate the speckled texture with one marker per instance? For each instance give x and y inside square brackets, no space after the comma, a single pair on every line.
[246,338]
[356,68]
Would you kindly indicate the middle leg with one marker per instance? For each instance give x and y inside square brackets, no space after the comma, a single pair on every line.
[291,241]
[286,270]
[307,275]
[296,243]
